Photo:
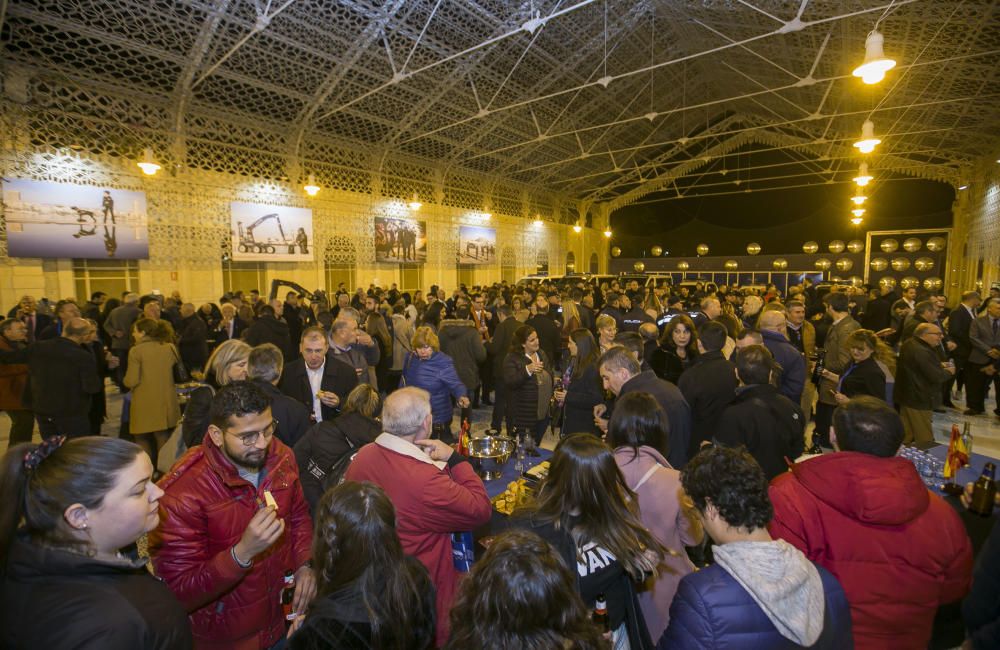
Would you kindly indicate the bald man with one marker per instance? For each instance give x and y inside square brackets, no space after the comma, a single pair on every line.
[62,378]
[919,377]
[793,364]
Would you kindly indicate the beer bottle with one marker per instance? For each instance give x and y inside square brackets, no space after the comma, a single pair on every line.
[600,616]
[820,366]
[287,596]
[985,491]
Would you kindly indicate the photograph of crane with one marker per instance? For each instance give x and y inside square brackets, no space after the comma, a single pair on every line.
[270,233]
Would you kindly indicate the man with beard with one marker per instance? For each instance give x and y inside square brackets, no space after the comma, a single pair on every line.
[233,520]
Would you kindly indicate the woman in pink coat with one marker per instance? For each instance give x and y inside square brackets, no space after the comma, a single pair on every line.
[638,432]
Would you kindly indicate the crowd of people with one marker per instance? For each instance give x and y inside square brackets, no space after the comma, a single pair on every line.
[284,473]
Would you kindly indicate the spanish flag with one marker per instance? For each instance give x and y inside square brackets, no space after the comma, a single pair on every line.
[958,455]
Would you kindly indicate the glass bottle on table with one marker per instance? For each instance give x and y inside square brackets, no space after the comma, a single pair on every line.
[984,493]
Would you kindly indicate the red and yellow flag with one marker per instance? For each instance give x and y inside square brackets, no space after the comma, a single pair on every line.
[958,455]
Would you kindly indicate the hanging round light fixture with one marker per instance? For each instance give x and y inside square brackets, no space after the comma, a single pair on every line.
[823,264]
[924,264]
[731,265]
[879,264]
[702,249]
[876,63]
[912,244]
[656,251]
[900,264]
[887,283]
[639,267]
[857,212]
[889,245]
[779,264]
[836,247]
[148,164]
[844,264]
[810,247]
[615,251]
[683,266]
[856,246]
[859,198]
[607,233]
[311,188]
[753,248]
[856,221]
[863,177]
[936,244]
[868,141]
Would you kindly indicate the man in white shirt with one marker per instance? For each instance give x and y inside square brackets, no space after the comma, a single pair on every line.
[317,379]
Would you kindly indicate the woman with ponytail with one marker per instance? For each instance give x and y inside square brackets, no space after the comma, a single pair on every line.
[71,514]
[154,410]
[369,594]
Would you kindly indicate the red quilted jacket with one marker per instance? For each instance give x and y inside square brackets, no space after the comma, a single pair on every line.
[898,550]
[203,513]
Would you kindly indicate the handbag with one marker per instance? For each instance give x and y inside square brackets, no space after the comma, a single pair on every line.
[181,374]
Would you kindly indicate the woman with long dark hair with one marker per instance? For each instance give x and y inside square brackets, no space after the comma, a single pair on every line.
[637,431]
[520,596]
[376,328]
[587,512]
[868,373]
[71,514]
[433,315]
[154,410]
[527,376]
[369,594]
[582,388]
[677,349]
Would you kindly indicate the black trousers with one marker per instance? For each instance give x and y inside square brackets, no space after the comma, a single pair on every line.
[824,418]
[977,384]
[499,404]
[71,426]
[22,425]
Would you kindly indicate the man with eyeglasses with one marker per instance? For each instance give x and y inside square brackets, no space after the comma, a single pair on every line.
[920,374]
[221,547]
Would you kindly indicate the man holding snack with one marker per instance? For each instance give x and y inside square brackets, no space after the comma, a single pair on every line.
[318,379]
[233,520]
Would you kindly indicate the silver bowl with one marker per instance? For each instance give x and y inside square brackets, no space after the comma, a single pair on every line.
[489,454]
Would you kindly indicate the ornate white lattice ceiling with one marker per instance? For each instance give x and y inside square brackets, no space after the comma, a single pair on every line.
[587,100]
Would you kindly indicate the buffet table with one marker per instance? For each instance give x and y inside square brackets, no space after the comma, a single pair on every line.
[509,475]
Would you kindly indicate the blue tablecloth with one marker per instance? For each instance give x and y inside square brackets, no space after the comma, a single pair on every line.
[498,485]
[967,474]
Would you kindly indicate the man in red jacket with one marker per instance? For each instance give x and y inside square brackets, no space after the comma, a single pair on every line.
[220,547]
[865,515]
[434,490]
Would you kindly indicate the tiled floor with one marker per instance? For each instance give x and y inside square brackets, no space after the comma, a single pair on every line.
[985,428]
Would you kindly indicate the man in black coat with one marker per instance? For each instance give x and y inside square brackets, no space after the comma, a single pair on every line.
[318,379]
[461,341]
[264,369]
[268,329]
[768,424]
[709,384]
[62,378]
[26,311]
[192,338]
[620,374]
[498,347]
[290,312]
[959,324]
[231,326]
[548,331]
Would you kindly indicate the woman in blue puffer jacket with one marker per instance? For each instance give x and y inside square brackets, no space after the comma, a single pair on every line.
[761,593]
[434,371]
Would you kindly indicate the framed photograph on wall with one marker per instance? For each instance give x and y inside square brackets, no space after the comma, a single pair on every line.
[400,241]
[271,233]
[47,219]
[477,245]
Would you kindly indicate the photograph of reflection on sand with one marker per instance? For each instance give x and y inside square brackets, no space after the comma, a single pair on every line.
[47,219]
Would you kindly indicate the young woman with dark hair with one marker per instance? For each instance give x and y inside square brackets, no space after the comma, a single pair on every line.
[369,595]
[637,430]
[677,349]
[582,388]
[528,379]
[71,514]
[586,511]
[520,596]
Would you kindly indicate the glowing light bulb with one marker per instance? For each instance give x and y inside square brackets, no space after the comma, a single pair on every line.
[859,199]
[311,188]
[148,165]
[415,203]
[577,228]
[868,141]
[607,233]
[856,221]
[863,176]
[857,212]
[876,63]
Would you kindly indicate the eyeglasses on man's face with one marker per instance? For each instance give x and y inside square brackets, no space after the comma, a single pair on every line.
[251,438]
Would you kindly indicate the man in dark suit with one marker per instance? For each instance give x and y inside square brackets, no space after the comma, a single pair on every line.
[62,378]
[620,374]
[268,329]
[264,369]
[983,368]
[318,379]
[547,329]
[66,310]
[232,326]
[292,315]
[26,311]
[959,324]
[498,347]
[709,385]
